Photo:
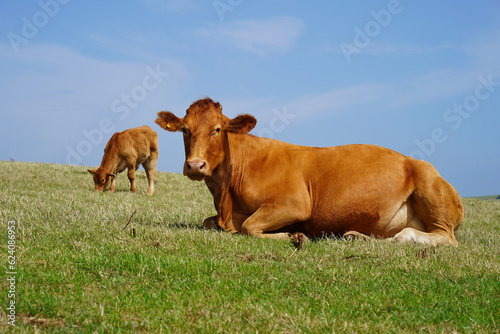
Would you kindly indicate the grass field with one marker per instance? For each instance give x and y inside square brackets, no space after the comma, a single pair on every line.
[80,267]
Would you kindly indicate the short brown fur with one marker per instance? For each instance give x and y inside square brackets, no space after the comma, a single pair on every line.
[268,188]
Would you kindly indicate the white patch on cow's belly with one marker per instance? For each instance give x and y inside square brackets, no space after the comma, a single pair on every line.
[403,218]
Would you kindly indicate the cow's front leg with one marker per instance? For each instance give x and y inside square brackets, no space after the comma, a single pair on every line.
[216,223]
[131,178]
[272,216]
[112,186]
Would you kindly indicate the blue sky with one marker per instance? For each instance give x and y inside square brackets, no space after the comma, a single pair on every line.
[419,77]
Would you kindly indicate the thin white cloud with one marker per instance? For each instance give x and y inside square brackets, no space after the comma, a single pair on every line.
[51,94]
[442,83]
[378,48]
[60,78]
[485,51]
[383,97]
[338,100]
[433,85]
[258,36]
[133,45]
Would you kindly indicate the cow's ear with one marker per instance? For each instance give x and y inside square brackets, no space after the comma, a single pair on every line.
[241,124]
[169,121]
[112,175]
[92,171]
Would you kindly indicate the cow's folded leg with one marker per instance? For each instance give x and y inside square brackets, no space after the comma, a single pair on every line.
[211,223]
[431,238]
[112,187]
[352,235]
[269,218]
[276,236]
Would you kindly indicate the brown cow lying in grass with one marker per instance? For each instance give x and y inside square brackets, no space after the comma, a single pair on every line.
[128,149]
[270,189]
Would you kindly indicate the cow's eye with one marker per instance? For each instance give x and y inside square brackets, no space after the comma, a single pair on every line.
[216,132]
[103,180]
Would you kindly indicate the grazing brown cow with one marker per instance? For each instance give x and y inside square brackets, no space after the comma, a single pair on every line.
[128,149]
[270,189]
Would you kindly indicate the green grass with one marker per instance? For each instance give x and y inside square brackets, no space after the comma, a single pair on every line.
[79,271]
[491,197]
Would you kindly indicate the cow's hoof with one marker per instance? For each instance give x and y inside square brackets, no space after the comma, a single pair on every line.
[210,223]
[298,239]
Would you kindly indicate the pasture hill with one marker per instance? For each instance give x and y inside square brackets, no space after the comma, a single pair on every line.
[86,261]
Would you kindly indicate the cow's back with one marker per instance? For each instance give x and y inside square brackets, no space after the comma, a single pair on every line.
[139,142]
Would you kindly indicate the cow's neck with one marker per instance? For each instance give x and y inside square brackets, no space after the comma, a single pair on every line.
[110,160]
[235,160]
[227,175]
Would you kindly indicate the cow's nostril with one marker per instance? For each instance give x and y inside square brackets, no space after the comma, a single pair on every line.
[196,165]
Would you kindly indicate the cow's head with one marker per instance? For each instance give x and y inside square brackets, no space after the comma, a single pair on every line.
[205,131]
[102,178]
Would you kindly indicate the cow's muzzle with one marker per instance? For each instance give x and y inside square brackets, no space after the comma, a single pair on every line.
[196,169]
